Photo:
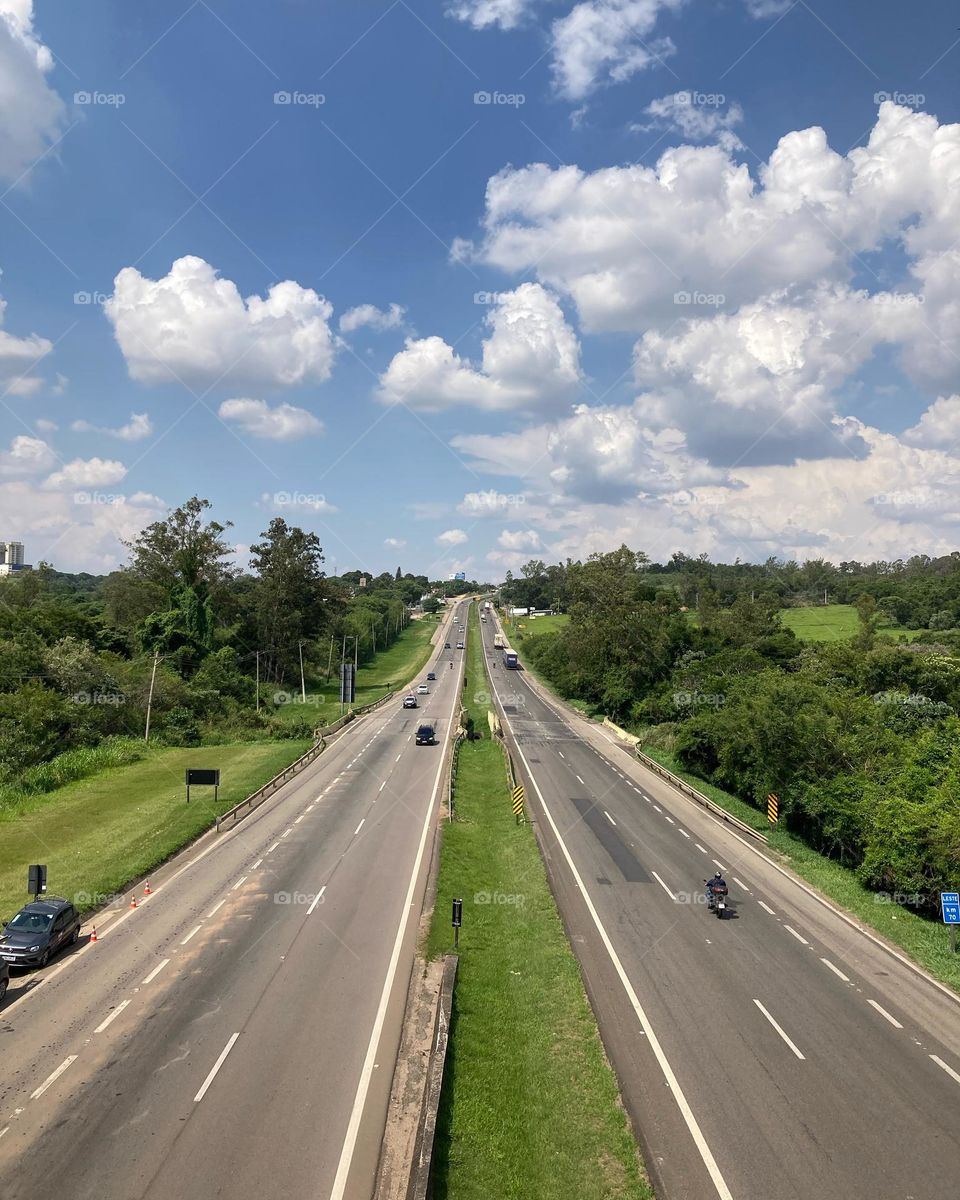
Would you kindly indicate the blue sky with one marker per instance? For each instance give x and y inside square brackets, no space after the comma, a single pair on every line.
[718,316]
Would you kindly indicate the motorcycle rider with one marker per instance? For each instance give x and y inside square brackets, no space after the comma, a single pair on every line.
[716,887]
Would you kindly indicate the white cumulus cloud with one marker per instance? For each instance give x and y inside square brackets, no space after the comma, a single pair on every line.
[451,537]
[375,318]
[527,540]
[194,326]
[531,360]
[19,355]
[32,115]
[136,429]
[87,473]
[484,14]
[606,41]
[697,116]
[26,456]
[282,423]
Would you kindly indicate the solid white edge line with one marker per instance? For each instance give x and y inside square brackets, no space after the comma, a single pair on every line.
[766,908]
[836,970]
[217,907]
[672,1082]
[216,1067]
[116,1013]
[780,1030]
[883,1013]
[369,1063]
[663,885]
[949,1070]
[155,972]
[51,1079]
[191,934]
[316,900]
[790,929]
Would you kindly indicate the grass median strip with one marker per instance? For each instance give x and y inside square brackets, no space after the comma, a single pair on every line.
[530,1106]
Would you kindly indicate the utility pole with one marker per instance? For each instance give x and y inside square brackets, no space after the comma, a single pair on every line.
[153,677]
[303,686]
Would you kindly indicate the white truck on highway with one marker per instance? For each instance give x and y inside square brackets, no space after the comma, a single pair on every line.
[498,642]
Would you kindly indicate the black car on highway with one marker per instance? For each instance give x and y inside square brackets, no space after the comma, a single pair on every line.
[426,735]
[38,931]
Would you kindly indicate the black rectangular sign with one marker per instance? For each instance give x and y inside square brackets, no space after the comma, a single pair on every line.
[196,775]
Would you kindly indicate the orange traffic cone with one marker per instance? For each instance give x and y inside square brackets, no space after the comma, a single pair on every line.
[133,902]
[146,890]
[93,936]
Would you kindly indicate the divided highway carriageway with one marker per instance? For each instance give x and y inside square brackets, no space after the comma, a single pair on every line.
[779,1054]
[236,1034]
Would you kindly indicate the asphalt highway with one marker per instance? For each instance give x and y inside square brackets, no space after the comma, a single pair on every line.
[779,1054]
[236,1034]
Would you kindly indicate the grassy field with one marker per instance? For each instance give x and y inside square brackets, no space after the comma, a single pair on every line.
[529,1106]
[388,671]
[926,942]
[519,627]
[833,623]
[98,833]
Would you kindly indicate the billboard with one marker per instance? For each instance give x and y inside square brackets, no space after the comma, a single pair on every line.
[461,576]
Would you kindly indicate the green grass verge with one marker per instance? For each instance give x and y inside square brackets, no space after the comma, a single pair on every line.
[926,942]
[390,669]
[833,623]
[530,1106]
[97,834]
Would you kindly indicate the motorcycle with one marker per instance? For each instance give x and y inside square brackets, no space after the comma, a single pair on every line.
[716,902]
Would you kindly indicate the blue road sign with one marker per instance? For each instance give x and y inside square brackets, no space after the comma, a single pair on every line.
[950,904]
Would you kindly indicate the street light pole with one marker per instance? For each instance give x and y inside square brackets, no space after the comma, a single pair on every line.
[153,678]
[303,685]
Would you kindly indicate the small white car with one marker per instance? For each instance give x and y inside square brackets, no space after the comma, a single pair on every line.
[422,689]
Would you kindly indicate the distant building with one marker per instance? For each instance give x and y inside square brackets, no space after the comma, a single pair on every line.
[362,581]
[11,558]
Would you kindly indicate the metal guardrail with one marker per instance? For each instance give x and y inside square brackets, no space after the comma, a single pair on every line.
[261,794]
[458,738]
[692,794]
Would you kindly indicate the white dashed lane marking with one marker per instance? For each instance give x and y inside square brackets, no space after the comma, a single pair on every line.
[158,968]
[52,1079]
[113,1016]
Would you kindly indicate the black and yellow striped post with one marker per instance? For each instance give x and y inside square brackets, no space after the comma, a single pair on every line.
[518,802]
[773,808]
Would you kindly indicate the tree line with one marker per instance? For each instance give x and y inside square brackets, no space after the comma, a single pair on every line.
[184,629]
[860,738]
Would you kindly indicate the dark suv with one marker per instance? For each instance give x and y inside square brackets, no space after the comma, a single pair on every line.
[426,736]
[38,931]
